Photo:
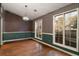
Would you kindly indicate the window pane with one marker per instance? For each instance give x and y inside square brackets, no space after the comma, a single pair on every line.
[71,20]
[71,29]
[59,29]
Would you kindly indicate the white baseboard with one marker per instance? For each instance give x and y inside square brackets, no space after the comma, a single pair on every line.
[16,39]
[56,48]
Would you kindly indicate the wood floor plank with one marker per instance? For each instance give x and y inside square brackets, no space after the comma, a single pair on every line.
[28,48]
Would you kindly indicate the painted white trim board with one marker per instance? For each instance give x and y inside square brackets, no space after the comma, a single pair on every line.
[19,32]
[47,33]
[16,39]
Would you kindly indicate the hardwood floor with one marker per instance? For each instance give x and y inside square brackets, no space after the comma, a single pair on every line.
[28,48]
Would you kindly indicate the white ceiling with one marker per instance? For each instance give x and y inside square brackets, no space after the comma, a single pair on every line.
[42,8]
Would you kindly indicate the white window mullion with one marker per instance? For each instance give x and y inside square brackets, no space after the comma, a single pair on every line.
[64,31]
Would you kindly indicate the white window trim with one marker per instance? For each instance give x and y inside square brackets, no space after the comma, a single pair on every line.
[35,29]
[77,40]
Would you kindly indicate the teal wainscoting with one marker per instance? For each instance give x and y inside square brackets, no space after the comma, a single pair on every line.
[16,35]
[32,34]
[47,38]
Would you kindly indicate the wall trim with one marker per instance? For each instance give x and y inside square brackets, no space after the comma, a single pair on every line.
[16,39]
[1,27]
[55,47]
[18,32]
[47,33]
